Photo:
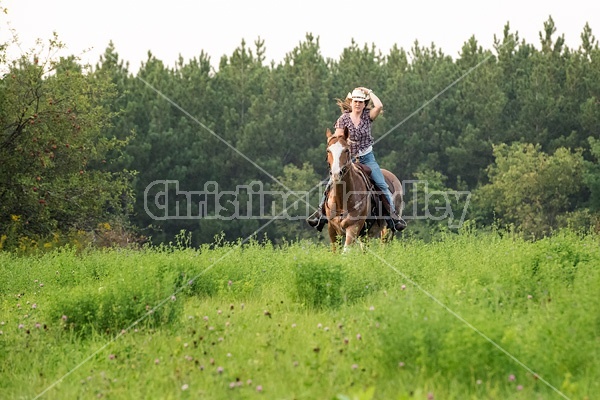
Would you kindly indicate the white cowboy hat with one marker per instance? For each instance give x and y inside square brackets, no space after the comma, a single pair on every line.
[358,95]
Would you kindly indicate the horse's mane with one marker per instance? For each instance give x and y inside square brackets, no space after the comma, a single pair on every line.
[339,138]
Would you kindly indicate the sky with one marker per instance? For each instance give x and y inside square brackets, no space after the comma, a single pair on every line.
[170,29]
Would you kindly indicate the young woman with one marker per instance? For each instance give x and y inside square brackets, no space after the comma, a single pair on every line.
[358,118]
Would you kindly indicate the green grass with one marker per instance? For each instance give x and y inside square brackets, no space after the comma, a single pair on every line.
[453,319]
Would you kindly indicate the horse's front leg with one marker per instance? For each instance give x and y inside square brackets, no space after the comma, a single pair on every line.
[333,235]
[351,235]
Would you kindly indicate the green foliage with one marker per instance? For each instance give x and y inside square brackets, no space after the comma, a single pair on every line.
[246,122]
[463,317]
[319,284]
[529,189]
[424,201]
[592,175]
[116,306]
[86,296]
[300,193]
[52,176]
[441,114]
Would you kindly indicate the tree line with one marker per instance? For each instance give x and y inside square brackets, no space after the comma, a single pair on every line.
[86,149]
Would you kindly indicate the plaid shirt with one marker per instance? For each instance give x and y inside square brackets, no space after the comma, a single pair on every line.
[361,138]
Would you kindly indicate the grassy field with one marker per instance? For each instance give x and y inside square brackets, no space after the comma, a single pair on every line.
[471,316]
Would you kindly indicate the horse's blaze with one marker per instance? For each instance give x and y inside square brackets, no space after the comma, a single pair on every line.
[336,150]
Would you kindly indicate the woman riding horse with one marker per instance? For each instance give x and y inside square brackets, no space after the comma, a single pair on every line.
[357,117]
[352,209]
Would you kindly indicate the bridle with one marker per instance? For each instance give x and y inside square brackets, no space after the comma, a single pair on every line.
[345,168]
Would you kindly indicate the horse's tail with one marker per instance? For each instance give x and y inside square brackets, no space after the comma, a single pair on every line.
[396,189]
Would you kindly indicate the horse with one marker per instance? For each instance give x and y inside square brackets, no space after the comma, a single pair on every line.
[354,206]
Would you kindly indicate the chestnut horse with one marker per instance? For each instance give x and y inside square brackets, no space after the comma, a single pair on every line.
[352,198]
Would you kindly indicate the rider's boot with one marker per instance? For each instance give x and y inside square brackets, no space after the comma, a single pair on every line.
[317,219]
[395,222]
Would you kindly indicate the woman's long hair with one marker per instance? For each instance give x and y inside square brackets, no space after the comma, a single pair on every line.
[346,104]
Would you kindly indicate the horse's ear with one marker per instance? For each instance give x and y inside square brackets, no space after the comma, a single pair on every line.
[346,133]
[328,133]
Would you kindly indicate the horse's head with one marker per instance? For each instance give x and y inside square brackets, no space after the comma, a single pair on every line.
[338,155]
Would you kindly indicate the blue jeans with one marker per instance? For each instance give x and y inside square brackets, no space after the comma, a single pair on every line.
[377,176]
